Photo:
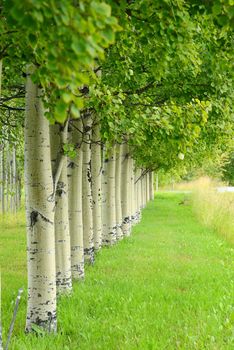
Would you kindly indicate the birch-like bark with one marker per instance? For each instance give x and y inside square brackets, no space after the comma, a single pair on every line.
[138,194]
[147,187]
[6,178]
[118,163]
[58,137]
[87,201]
[109,235]
[14,173]
[125,191]
[75,203]
[2,180]
[133,194]
[11,180]
[104,197]
[151,184]
[143,190]
[41,308]
[96,173]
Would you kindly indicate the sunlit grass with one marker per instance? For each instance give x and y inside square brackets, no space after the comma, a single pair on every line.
[168,286]
[214,209]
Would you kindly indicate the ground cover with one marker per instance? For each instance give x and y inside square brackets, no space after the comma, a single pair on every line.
[169,286]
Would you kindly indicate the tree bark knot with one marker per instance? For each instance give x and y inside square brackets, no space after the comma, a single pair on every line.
[34,218]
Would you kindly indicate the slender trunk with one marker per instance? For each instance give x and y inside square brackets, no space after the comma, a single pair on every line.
[87,200]
[96,173]
[11,179]
[75,203]
[138,194]
[119,232]
[133,194]
[125,191]
[6,177]
[41,308]
[147,188]
[151,184]
[143,190]
[14,165]
[58,137]
[2,181]
[109,235]
[104,197]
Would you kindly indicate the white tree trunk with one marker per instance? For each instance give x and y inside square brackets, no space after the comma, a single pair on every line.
[125,191]
[2,180]
[58,137]
[143,190]
[96,173]
[6,178]
[151,184]
[147,188]
[138,193]
[87,200]
[41,308]
[109,235]
[118,163]
[14,167]
[75,203]
[133,194]
[11,180]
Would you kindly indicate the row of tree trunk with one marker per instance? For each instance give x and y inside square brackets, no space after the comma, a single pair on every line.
[10,179]
[74,206]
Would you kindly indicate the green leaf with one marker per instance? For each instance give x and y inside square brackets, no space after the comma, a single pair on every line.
[101,8]
[60,112]
[75,112]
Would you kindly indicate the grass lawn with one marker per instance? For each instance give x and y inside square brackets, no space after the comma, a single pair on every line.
[169,286]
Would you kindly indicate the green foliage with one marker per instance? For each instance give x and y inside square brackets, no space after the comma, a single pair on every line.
[69,150]
[166,83]
[185,296]
[62,40]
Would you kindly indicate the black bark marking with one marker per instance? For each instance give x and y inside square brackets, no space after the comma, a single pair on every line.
[34,218]
[71,165]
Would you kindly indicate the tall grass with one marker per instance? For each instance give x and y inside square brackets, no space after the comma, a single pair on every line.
[214,209]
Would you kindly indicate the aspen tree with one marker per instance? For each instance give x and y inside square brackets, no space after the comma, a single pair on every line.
[96,173]
[87,201]
[118,208]
[132,191]
[14,175]
[109,235]
[39,188]
[137,181]
[58,139]
[104,197]
[143,189]
[151,184]
[125,191]
[75,202]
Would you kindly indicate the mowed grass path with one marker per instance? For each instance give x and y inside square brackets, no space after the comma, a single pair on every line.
[169,286]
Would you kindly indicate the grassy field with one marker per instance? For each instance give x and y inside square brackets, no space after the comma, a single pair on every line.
[169,286]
